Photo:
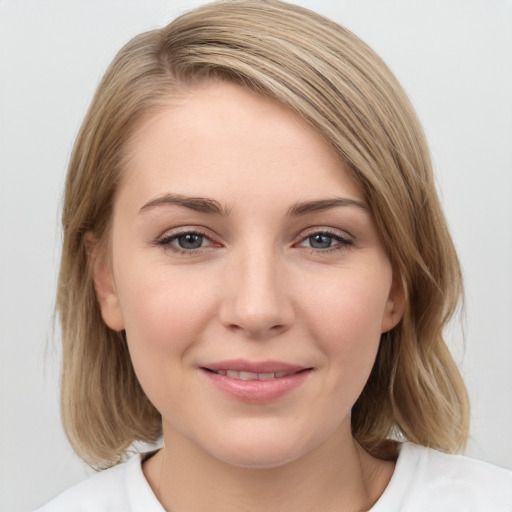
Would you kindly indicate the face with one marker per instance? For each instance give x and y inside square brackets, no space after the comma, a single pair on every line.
[249,276]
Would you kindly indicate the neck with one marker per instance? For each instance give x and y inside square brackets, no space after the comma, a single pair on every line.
[338,475]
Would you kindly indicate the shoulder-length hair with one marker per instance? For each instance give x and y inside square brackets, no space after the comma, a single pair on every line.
[337,84]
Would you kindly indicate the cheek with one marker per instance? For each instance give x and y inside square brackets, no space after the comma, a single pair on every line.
[350,307]
[165,313]
[345,319]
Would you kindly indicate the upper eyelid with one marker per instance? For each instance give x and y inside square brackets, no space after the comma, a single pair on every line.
[167,242]
[306,233]
[167,239]
[184,230]
[212,236]
[174,236]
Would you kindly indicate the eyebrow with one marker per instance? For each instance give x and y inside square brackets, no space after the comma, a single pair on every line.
[304,207]
[198,204]
[206,205]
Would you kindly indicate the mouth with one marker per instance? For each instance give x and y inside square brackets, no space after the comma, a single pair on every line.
[256,383]
[245,375]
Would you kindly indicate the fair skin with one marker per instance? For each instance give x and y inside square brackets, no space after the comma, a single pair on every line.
[240,249]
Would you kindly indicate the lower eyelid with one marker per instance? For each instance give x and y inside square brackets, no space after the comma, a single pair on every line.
[169,238]
[342,239]
[166,241]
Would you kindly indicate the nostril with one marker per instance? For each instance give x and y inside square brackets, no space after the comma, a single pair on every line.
[256,330]
[258,309]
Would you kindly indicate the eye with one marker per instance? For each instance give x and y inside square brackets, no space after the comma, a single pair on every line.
[324,240]
[185,241]
[190,241]
[320,241]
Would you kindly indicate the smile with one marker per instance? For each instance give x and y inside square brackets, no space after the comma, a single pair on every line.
[252,375]
[255,383]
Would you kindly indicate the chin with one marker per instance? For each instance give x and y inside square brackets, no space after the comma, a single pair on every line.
[259,459]
[257,452]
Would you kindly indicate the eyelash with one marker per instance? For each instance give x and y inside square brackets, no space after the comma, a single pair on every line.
[166,241]
[343,242]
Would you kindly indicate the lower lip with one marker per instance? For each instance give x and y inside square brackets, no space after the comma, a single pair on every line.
[256,391]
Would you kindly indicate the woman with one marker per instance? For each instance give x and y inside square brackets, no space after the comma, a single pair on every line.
[256,266]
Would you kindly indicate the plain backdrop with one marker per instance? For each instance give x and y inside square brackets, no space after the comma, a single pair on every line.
[454,60]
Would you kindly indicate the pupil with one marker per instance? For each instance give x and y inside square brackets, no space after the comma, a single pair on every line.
[321,241]
[190,241]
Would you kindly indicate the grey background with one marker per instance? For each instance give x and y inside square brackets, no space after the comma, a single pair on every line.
[453,58]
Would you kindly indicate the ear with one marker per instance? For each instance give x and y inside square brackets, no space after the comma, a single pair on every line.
[104,284]
[395,304]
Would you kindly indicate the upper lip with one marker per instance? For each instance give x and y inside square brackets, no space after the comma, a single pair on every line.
[241,365]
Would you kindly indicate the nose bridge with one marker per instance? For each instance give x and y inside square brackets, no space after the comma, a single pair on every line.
[257,301]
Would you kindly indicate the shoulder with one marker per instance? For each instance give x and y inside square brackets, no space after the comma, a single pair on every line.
[117,489]
[426,480]
[462,470]
[102,491]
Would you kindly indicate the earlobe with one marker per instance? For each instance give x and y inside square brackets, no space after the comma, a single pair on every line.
[104,284]
[395,304]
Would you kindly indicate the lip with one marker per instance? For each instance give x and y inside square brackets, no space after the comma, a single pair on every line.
[255,391]
[242,365]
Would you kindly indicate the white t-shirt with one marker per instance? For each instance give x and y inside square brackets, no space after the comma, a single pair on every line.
[424,480]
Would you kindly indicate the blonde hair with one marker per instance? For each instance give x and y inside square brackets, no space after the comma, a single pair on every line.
[344,90]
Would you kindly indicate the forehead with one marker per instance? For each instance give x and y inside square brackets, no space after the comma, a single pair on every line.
[224,138]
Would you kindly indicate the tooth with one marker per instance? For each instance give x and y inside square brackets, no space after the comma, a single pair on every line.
[252,375]
[248,376]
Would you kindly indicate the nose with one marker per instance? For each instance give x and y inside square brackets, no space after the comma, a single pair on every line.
[257,301]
